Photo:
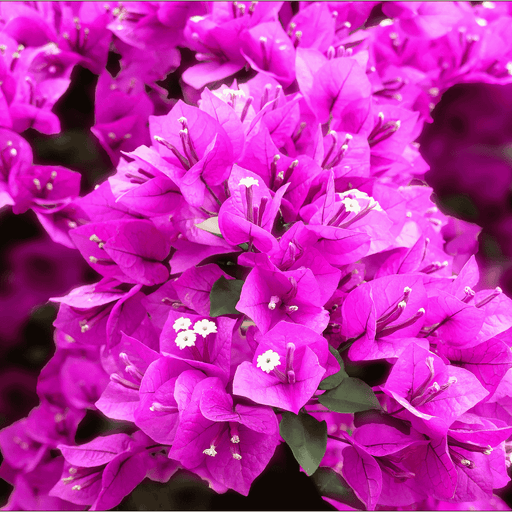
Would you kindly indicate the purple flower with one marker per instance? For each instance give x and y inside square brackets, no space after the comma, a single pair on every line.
[430,394]
[270,296]
[196,148]
[287,367]
[234,442]
[249,214]
[128,250]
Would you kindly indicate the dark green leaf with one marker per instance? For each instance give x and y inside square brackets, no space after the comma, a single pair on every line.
[224,296]
[352,395]
[334,380]
[332,485]
[307,438]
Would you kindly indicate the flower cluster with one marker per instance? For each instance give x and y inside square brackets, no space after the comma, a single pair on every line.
[252,246]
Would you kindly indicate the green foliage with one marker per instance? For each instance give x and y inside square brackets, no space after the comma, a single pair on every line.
[224,296]
[334,380]
[351,395]
[307,438]
[332,485]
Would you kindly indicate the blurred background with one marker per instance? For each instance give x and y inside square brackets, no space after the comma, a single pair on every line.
[468,147]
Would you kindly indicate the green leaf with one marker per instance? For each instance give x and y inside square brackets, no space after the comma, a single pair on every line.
[211,225]
[352,395]
[334,380]
[332,485]
[307,438]
[224,296]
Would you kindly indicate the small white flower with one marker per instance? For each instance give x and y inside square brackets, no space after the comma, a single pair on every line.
[185,339]
[268,361]
[182,323]
[351,205]
[204,327]
[248,182]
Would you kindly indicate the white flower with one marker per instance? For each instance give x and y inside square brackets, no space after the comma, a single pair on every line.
[204,327]
[249,181]
[357,194]
[185,339]
[351,205]
[268,361]
[182,323]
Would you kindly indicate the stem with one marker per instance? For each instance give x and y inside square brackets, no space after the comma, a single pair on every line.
[397,411]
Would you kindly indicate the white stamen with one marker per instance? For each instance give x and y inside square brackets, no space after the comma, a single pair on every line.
[237,456]
[210,451]
[274,301]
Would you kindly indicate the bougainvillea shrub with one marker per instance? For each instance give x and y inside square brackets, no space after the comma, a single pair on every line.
[272,267]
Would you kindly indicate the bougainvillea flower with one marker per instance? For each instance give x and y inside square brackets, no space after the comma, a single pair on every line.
[129,250]
[286,368]
[270,296]
[196,146]
[235,442]
[205,343]
[249,214]
[429,393]
[383,316]
[126,364]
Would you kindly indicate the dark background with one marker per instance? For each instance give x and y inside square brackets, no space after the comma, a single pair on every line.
[469,148]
